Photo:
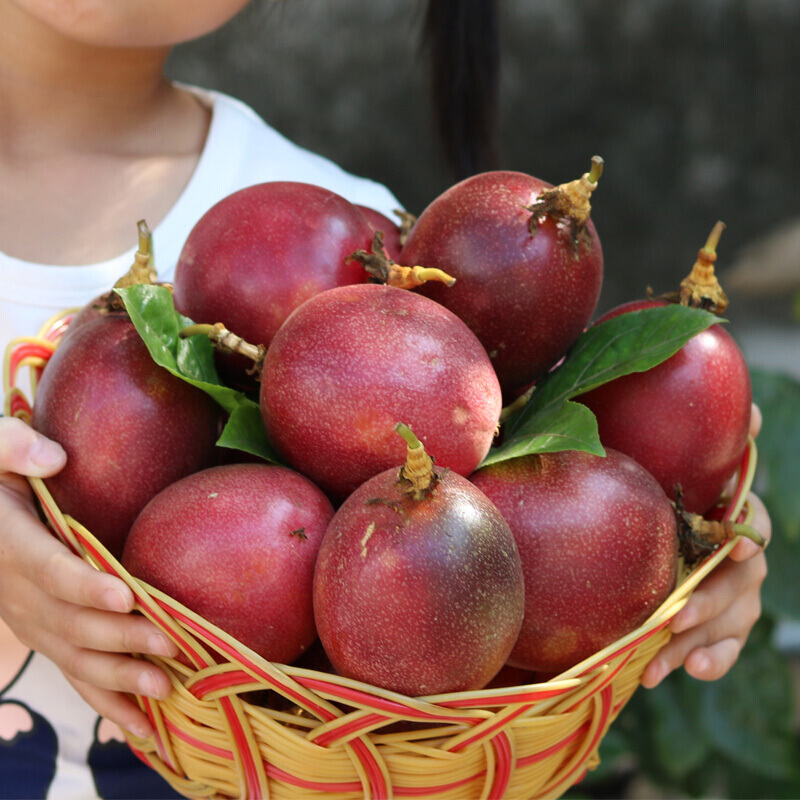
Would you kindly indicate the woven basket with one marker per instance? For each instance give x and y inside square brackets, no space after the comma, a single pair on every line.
[317,733]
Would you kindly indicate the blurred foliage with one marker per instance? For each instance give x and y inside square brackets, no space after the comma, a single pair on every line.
[736,737]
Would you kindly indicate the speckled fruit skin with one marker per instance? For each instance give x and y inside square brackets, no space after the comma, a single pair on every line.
[352,362]
[391,231]
[129,427]
[526,297]
[599,547]
[686,420]
[419,597]
[260,252]
[237,545]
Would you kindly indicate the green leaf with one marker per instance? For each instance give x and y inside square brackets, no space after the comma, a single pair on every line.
[245,431]
[152,311]
[632,342]
[568,426]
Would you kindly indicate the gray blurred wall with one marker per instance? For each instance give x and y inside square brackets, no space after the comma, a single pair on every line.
[694,105]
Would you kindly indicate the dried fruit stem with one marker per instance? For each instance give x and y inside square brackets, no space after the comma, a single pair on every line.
[406,224]
[701,289]
[569,203]
[417,472]
[226,340]
[381,267]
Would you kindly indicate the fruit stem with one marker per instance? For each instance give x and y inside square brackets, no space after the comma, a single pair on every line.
[701,289]
[225,340]
[699,536]
[517,405]
[406,224]
[417,473]
[596,171]
[380,266]
[142,270]
[569,204]
[749,532]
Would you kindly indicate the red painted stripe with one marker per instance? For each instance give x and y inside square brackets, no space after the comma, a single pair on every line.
[198,743]
[543,754]
[376,780]
[23,351]
[629,646]
[505,765]
[326,739]
[254,787]
[224,680]
[506,700]
[377,703]
[488,731]
[427,791]
[58,328]
[160,746]
[19,404]
[110,568]
[240,658]
[606,695]
[279,774]
[606,680]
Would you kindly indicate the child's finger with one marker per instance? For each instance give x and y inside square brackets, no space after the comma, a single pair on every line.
[755,420]
[711,663]
[26,452]
[32,551]
[115,707]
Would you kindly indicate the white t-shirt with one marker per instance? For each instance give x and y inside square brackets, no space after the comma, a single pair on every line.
[241,150]
[36,701]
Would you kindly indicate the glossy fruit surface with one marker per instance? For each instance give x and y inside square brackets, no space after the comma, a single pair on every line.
[262,251]
[418,596]
[237,545]
[353,361]
[527,296]
[686,420]
[599,548]
[129,427]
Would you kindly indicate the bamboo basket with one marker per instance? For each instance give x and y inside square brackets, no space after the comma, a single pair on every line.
[321,734]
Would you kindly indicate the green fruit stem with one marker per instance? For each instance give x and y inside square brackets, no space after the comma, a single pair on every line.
[417,473]
[596,170]
[142,270]
[749,532]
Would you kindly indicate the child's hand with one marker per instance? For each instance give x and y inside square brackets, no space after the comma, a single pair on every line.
[711,629]
[58,605]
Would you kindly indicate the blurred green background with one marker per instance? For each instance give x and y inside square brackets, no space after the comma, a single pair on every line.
[694,106]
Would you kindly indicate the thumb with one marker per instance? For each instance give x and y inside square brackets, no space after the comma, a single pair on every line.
[26,452]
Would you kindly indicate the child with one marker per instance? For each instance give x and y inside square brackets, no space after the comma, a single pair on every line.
[93,138]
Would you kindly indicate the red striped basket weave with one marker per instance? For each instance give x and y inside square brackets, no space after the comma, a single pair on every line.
[315,733]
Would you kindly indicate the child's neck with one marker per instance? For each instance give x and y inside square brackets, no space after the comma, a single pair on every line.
[62,93]
[91,139]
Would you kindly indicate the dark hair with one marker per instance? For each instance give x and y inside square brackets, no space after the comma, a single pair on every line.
[462,37]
